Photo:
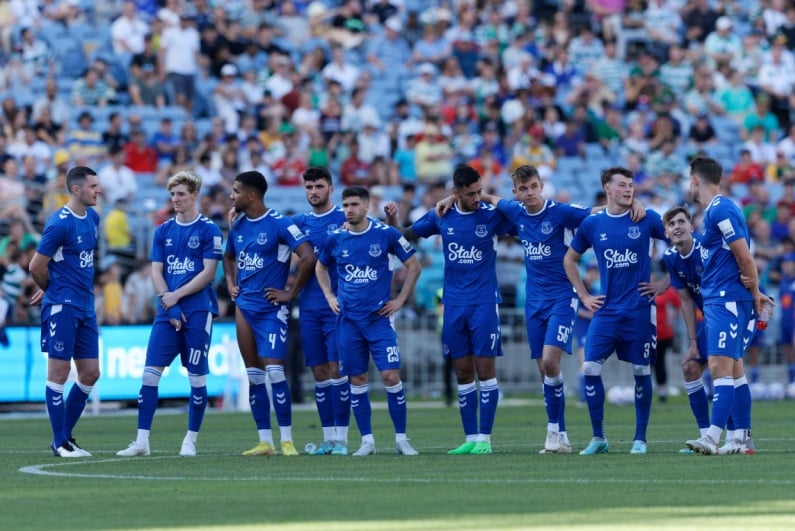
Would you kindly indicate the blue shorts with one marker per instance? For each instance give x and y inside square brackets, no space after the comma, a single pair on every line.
[730,327]
[580,332]
[631,334]
[68,332]
[190,343]
[270,331]
[701,341]
[319,336]
[358,339]
[550,322]
[471,329]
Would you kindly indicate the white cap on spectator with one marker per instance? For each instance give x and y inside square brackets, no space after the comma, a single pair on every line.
[229,70]
[426,68]
[316,8]
[377,191]
[723,23]
[394,24]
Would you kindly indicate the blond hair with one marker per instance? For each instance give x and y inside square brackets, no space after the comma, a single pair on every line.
[192,181]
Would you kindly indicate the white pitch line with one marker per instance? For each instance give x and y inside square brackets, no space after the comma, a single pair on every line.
[43,470]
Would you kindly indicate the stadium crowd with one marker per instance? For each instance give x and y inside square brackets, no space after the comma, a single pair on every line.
[389,94]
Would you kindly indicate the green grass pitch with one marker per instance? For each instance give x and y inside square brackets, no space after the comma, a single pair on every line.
[514,488]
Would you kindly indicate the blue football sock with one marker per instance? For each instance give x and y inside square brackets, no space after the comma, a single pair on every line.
[741,408]
[75,404]
[595,397]
[260,405]
[362,412]
[396,402]
[722,401]
[147,405]
[282,403]
[489,398]
[699,404]
[643,399]
[197,407]
[56,410]
[468,407]
[553,395]
[324,403]
[562,415]
[581,378]
[754,373]
[341,401]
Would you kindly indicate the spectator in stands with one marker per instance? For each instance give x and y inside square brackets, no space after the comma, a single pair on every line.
[92,91]
[777,80]
[110,284]
[165,141]
[373,142]
[56,194]
[179,50]
[432,48]
[113,136]
[128,31]
[20,234]
[140,157]
[118,236]
[761,115]
[389,53]
[59,108]
[433,155]
[35,54]
[146,88]
[31,145]
[84,143]
[229,98]
[340,70]
[700,98]
[610,130]
[762,151]
[702,133]
[180,162]
[357,112]
[116,180]
[47,130]
[663,25]
[139,294]
[746,170]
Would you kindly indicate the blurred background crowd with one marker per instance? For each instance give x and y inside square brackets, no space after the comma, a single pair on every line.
[390,94]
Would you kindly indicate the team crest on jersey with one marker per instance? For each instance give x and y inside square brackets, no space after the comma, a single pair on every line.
[193,242]
[58,346]
[481,231]
[331,228]
[546,227]
[634,232]
[699,270]
[262,238]
[375,250]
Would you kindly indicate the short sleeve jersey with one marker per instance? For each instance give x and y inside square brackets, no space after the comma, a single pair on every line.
[723,223]
[469,240]
[545,237]
[364,264]
[70,241]
[686,271]
[623,253]
[262,247]
[182,249]
[317,227]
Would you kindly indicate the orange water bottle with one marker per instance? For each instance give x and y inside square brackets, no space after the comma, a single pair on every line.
[764,316]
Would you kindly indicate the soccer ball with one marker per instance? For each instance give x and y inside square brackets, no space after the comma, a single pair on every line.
[758,391]
[775,391]
[791,391]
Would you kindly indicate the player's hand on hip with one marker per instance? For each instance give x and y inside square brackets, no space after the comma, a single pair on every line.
[390,308]
[36,298]
[278,296]
[593,302]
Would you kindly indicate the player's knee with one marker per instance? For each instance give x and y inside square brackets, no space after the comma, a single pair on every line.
[321,373]
[592,368]
[641,370]
[391,379]
[197,380]
[551,367]
[151,377]
[691,370]
[89,377]
[275,373]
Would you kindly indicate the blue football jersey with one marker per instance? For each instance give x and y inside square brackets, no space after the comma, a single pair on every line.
[686,271]
[469,240]
[263,248]
[317,227]
[364,263]
[545,237]
[70,240]
[786,300]
[723,223]
[182,249]
[623,253]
